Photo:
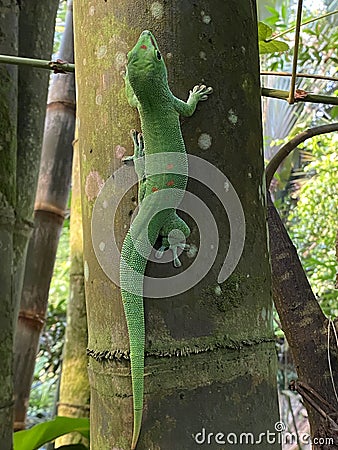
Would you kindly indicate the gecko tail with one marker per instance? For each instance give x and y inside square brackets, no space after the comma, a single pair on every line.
[132,267]
[137,427]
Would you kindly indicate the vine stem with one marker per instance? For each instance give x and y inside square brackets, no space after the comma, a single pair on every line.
[276,36]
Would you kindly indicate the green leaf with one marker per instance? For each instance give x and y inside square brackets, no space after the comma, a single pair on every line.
[334,112]
[45,432]
[272,47]
[73,447]
[264,33]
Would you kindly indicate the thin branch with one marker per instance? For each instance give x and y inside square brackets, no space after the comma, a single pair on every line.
[286,149]
[57,66]
[291,98]
[276,36]
[304,97]
[299,74]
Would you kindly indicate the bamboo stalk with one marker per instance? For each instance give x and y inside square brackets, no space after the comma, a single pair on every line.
[57,66]
[299,74]
[291,98]
[311,98]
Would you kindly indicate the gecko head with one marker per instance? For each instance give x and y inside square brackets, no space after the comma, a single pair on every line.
[145,63]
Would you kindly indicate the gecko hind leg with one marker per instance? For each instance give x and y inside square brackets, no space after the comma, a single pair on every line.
[137,138]
[174,236]
[138,161]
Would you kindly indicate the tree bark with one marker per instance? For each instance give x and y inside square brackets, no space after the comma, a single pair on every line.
[50,203]
[74,388]
[9,14]
[36,32]
[306,330]
[209,350]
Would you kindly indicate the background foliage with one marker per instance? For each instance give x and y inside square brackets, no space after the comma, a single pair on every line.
[312,221]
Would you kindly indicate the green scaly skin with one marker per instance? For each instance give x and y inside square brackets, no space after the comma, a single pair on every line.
[147,89]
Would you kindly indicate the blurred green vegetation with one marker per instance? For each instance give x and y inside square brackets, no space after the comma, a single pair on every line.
[59,25]
[312,221]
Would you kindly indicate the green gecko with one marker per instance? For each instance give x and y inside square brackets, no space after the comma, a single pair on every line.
[160,190]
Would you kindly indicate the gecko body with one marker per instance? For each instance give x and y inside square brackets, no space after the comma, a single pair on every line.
[160,190]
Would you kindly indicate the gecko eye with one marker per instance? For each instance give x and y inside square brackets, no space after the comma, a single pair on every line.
[158,54]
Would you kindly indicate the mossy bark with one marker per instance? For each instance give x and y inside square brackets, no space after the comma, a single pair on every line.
[9,14]
[210,352]
[74,387]
[50,204]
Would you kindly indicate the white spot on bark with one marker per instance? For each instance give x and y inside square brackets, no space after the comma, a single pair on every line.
[102,246]
[218,290]
[86,271]
[249,174]
[105,204]
[157,10]
[243,49]
[205,18]
[93,185]
[120,151]
[203,56]
[92,10]
[101,51]
[232,117]
[120,60]
[98,99]
[169,55]
[204,141]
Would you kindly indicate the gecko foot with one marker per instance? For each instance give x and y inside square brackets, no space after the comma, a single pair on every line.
[201,91]
[173,243]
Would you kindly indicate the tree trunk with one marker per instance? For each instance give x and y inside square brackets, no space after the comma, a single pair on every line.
[306,330]
[74,389]
[210,351]
[8,146]
[51,201]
